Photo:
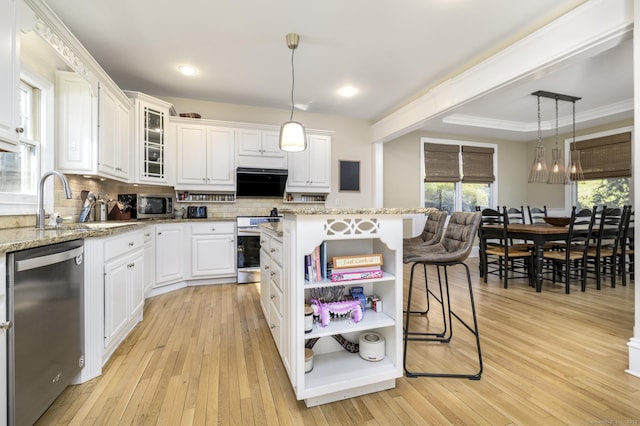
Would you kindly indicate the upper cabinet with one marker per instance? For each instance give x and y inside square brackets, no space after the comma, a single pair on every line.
[260,148]
[114,134]
[150,141]
[310,170]
[76,124]
[9,77]
[205,155]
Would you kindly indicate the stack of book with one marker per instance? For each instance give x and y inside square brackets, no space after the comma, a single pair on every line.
[315,264]
[361,267]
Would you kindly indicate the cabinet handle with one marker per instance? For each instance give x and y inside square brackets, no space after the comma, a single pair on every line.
[19,129]
[5,325]
[273,326]
[272,273]
[273,297]
[131,265]
[131,244]
[266,267]
[213,229]
[159,233]
[273,250]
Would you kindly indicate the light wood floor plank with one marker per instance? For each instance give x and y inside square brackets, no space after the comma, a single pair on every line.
[204,355]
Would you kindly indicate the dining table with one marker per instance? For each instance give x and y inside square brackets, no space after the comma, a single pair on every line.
[538,233]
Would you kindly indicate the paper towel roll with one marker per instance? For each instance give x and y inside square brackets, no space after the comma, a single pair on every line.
[372,346]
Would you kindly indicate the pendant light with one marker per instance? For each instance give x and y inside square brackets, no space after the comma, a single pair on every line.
[574,167]
[538,171]
[293,137]
[556,171]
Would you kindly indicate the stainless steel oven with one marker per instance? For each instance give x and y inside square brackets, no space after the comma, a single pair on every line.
[248,247]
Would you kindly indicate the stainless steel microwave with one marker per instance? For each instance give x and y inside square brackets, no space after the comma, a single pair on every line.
[147,206]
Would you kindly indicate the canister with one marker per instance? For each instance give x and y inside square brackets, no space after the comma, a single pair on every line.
[308,319]
[308,360]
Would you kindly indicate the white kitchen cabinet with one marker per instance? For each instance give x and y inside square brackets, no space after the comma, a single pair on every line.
[76,115]
[170,253]
[123,287]
[310,170]
[149,260]
[9,76]
[114,134]
[260,148]
[338,374]
[273,290]
[206,156]
[213,250]
[150,138]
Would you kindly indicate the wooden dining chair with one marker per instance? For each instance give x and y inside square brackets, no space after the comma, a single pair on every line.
[513,260]
[602,256]
[569,263]
[537,214]
[626,262]
[489,216]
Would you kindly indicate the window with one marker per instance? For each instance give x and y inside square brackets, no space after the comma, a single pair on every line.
[606,163]
[458,176]
[19,170]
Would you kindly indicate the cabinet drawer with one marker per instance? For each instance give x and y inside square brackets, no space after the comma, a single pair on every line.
[265,243]
[148,234]
[275,324]
[275,250]
[276,299]
[213,228]
[276,274]
[115,246]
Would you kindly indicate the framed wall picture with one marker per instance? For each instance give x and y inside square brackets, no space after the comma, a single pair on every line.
[349,175]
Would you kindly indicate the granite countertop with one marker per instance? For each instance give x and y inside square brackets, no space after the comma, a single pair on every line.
[356,210]
[14,239]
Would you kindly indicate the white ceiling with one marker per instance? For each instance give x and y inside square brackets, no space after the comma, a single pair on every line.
[391,51]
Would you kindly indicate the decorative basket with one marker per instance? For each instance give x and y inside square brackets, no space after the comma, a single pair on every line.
[557,221]
[190,115]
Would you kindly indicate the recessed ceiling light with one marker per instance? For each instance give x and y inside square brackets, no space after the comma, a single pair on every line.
[187,69]
[347,91]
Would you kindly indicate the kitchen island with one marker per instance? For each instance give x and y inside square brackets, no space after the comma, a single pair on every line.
[337,373]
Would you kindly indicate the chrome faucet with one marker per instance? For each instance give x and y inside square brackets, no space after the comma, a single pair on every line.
[67,194]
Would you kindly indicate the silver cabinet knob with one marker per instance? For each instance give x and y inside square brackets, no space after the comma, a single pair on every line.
[19,129]
[5,325]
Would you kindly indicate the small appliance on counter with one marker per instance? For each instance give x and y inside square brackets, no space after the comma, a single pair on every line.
[147,206]
[197,212]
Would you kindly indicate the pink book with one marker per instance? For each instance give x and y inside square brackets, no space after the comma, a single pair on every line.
[318,268]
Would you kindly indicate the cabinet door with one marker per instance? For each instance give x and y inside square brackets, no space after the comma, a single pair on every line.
[149,265]
[249,142]
[9,76]
[221,157]
[152,142]
[116,303]
[298,169]
[265,281]
[192,154]
[271,145]
[319,161]
[108,132]
[169,245]
[136,270]
[124,141]
[213,255]
[75,123]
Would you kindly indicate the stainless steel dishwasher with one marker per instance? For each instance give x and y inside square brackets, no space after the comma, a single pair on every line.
[44,304]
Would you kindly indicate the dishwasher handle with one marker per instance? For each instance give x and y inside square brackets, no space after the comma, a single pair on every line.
[51,259]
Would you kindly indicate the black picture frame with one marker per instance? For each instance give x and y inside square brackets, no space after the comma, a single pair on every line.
[349,176]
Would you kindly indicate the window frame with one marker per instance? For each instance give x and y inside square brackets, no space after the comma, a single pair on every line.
[26,204]
[458,185]
[571,191]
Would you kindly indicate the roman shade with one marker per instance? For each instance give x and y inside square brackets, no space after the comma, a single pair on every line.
[477,165]
[441,163]
[605,157]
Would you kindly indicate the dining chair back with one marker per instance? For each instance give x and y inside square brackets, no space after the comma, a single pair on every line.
[536,214]
[489,216]
[626,262]
[569,263]
[602,256]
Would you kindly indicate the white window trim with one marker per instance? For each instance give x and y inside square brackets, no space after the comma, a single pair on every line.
[19,204]
[570,191]
[458,201]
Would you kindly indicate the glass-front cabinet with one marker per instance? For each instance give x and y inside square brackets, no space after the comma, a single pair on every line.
[151,137]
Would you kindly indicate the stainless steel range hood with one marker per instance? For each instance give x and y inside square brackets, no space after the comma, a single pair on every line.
[261,183]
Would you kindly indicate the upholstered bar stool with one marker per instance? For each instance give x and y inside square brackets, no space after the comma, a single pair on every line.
[431,234]
[452,250]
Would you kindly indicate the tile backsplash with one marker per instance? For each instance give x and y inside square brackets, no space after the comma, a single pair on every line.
[108,190]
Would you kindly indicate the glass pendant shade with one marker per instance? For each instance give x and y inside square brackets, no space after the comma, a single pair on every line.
[538,173]
[556,171]
[293,137]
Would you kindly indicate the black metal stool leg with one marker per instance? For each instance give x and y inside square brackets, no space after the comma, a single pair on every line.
[449,313]
[436,336]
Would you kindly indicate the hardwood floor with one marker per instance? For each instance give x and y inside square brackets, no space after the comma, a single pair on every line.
[204,355]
